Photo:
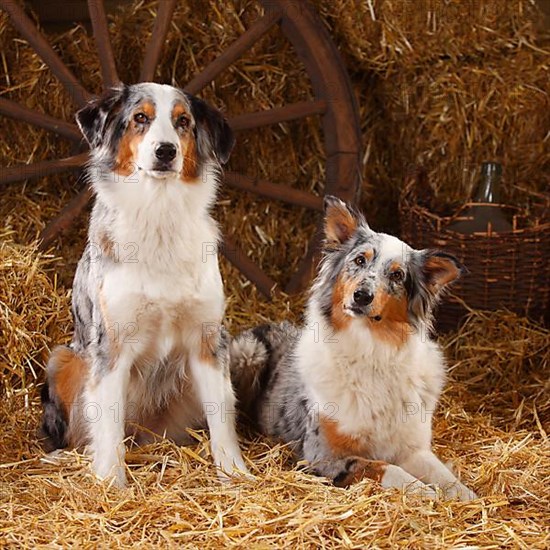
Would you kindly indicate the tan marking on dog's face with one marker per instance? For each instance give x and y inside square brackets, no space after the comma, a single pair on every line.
[69,376]
[190,169]
[342,445]
[369,254]
[343,288]
[369,469]
[125,162]
[394,326]
[180,109]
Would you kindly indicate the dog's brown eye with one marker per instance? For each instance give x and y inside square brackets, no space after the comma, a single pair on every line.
[360,261]
[182,122]
[397,276]
[141,118]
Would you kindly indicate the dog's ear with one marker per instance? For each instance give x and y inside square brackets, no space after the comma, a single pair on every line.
[92,119]
[341,222]
[430,273]
[440,269]
[215,138]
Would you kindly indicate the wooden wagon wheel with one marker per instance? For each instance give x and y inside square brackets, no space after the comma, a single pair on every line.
[334,102]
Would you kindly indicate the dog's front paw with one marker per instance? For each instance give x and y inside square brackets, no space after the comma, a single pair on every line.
[231,466]
[394,476]
[234,471]
[418,488]
[388,475]
[114,474]
[458,491]
[235,476]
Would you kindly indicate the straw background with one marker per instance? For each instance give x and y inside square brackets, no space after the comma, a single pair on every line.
[442,83]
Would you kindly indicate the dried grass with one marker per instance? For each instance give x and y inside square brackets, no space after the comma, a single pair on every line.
[508,357]
[456,115]
[492,426]
[495,414]
[388,36]
[448,85]
[33,314]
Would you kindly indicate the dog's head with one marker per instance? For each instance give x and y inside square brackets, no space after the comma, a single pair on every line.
[377,278]
[156,130]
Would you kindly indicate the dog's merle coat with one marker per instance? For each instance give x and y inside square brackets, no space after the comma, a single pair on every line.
[353,390]
[148,354]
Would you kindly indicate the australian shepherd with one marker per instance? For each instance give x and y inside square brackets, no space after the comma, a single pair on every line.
[354,390]
[148,355]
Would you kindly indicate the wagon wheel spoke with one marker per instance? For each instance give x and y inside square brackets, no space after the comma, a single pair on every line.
[156,42]
[276,115]
[40,169]
[66,218]
[14,110]
[103,43]
[36,40]
[284,193]
[247,267]
[242,44]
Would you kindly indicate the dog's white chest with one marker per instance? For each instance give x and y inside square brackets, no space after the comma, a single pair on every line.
[161,303]
[171,285]
[369,393]
[385,399]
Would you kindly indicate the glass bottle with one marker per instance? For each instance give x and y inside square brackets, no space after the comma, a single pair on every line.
[484,214]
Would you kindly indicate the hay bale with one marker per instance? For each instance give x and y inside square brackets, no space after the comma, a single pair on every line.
[34,315]
[388,36]
[448,84]
[452,116]
[506,356]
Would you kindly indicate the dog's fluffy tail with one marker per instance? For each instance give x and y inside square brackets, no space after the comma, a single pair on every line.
[66,373]
[254,357]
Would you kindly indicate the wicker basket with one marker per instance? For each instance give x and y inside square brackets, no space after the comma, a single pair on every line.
[509,270]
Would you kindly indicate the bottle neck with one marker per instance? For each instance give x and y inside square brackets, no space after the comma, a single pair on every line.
[489,184]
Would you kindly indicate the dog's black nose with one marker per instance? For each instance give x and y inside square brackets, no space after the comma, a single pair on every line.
[166,152]
[362,297]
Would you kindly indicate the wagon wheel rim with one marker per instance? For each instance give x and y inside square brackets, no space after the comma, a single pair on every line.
[333,100]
